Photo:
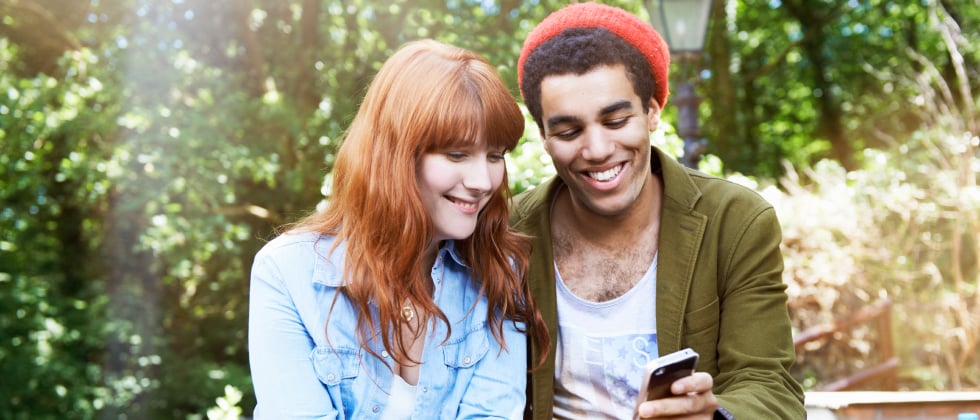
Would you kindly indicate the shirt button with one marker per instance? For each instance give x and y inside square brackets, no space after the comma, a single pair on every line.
[330,377]
[384,354]
[466,360]
[425,389]
[375,409]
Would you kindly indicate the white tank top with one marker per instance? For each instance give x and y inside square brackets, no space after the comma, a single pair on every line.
[401,402]
[602,349]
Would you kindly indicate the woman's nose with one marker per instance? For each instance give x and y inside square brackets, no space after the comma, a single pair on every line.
[477,176]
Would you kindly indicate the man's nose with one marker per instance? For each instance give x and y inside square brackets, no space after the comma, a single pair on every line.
[598,146]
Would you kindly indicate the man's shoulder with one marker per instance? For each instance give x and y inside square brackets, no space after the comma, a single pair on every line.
[526,201]
[723,191]
[530,204]
[692,188]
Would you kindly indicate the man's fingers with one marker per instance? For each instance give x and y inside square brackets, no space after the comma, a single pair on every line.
[693,397]
[698,382]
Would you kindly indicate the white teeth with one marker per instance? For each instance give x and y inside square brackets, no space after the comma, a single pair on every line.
[464,204]
[607,174]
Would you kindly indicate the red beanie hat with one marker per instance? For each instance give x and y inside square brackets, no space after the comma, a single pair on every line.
[623,24]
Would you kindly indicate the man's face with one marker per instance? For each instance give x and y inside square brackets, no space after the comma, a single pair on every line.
[598,137]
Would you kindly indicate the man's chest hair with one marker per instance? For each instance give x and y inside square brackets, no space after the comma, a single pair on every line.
[599,274]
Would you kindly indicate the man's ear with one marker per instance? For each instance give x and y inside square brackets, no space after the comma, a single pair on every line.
[653,116]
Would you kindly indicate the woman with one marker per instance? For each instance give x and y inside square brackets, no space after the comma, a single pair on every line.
[406,296]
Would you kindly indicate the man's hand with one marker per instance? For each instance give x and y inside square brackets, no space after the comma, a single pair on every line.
[692,399]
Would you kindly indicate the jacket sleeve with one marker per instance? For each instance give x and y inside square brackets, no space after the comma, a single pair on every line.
[755,346]
[498,384]
[286,385]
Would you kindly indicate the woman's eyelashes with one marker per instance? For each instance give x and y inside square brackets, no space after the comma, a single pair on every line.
[459,156]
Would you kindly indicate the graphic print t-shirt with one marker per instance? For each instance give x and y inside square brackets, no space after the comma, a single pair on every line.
[602,349]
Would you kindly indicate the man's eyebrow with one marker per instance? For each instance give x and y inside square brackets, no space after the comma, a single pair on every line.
[618,106]
[562,119]
[608,109]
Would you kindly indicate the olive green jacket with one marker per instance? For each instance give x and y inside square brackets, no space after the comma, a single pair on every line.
[719,290]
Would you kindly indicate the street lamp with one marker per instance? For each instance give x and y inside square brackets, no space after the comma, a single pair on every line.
[683,24]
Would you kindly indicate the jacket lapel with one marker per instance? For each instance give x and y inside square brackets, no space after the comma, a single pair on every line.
[681,232]
[530,215]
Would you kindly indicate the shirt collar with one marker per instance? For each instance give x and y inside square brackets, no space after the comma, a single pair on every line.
[449,247]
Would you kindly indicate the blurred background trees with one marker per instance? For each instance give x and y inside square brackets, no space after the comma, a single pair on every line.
[148,148]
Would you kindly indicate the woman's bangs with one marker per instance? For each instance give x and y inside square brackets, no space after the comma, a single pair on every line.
[458,121]
[472,106]
[502,121]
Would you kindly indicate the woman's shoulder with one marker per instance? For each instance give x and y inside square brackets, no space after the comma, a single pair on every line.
[304,254]
[296,242]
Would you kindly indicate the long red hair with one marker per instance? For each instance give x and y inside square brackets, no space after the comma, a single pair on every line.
[427,97]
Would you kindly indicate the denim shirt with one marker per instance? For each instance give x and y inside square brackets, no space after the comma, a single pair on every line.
[298,373]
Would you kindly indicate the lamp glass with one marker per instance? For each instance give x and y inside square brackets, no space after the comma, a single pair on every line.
[682,23]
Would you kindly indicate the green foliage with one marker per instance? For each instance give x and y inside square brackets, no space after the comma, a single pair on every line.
[528,165]
[806,80]
[51,330]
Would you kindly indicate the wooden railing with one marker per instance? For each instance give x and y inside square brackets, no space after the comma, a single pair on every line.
[885,372]
[915,405]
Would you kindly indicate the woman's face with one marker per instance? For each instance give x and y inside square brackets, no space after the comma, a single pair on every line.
[456,183]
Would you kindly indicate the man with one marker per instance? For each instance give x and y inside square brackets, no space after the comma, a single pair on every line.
[634,255]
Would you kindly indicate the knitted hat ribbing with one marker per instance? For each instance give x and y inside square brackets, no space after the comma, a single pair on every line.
[623,24]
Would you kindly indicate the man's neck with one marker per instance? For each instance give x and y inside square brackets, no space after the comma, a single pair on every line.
[630,226]
[600,257]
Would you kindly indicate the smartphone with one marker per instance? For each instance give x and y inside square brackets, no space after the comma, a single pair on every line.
[663,371]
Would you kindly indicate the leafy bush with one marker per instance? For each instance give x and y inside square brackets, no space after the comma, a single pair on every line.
[905,228]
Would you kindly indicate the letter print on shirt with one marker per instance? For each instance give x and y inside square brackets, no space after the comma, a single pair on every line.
[602,349]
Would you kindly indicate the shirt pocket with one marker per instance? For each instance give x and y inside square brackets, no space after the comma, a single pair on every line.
[337,368]
[701,328]
[468,350]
